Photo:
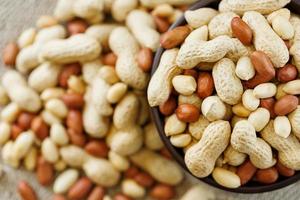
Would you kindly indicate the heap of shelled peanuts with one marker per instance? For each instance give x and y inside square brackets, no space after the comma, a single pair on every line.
[228,85]
[74,108]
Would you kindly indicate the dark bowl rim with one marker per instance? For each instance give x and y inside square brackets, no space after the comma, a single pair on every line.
[156,116]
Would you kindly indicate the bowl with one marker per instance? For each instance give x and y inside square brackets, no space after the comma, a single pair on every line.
[178,154]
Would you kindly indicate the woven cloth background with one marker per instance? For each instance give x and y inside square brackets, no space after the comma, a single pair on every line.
[17,15]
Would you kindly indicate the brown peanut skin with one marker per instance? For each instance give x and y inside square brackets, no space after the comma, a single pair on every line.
[40,128]
[284,171]
[25,119]
[287,44]
[205,85]
[264,69]
[168,107]
[191,72]
[76,139]
[174,37]
[268,104]
[161,24]
[68,70]
[59,197]
[267,176]
[109,59]
[97,193]
[246,171]
[287,73]
[131,172]
[26,192]
[80,189]
[97,148]
[286,105]
[76,26]
[10,53]
[73,100]
[74,121]
[187,113]
[44,172]
[242,31]
[144,179]
[145,58]
[166,153]
[122,197]
[16,130]
[162,191]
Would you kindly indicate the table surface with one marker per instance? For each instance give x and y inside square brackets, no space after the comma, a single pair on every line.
[17,15]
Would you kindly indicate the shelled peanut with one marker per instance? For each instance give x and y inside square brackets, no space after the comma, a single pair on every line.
[229,91]
[74,109]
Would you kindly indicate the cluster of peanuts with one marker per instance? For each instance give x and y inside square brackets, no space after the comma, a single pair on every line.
[228,87]
[74,108]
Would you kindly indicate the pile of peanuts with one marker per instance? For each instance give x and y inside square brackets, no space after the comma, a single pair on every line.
[74,108]
[228,87]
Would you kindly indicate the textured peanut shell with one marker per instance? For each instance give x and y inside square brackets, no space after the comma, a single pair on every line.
[91,10]
[228,86]
[101,172]
[295,52]
[77,48]
[63,10]
[26,98]
[27,58]
[261,6]
[200,159]
[244,139]
[197,191]
[101,33]
[154,3]
[7,155]
[233,157]
[160,168]
[99,89]
[197,128]
[221,25]
[199,17]
[88,9]
[294,118]
[94,123]
[152,139]
[160,85]
[127,141]
[125,46]
[295,21]
[144,113]
[193,52]
[295,49]
[238,50]
[288,148]
[266,40]
[143,28]
[44,76]
[126,112]
[50,33]
[90,69]
[12,77]
[121,8]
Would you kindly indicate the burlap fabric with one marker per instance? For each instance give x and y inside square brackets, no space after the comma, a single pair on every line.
[15,16]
